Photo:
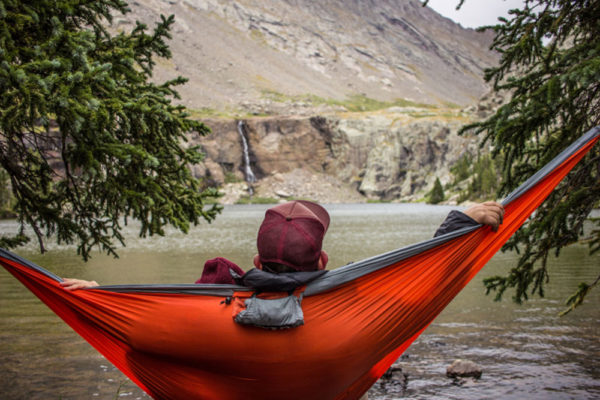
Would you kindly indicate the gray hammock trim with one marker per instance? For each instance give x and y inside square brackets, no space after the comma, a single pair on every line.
[342,275]
[20,260]
[183,288]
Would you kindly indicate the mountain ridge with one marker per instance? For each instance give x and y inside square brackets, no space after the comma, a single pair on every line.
[239,55]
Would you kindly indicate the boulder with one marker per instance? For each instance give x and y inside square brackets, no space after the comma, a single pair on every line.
[463,369]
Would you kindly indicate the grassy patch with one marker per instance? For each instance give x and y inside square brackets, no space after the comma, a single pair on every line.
[256,200]
[377,201]
[207,112]
[292,198]
[421,114]
[258,36]
[356,103]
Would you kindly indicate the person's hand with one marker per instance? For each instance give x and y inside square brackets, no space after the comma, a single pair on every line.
[72,284]
[488,213]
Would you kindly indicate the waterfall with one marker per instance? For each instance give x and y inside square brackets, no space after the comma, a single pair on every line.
[250,178]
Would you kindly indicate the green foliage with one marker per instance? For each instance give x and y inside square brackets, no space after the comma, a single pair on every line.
[436,195]
[378,201]
[6,198]
[481,174]
[7,203]
[576,299]
[485,179]
[87,140]
[550,67]
[461,170]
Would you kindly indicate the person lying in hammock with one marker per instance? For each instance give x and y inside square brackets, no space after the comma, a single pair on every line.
[290,240]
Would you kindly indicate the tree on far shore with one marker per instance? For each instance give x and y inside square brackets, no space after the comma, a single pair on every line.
[85,138]
[550,70]
[436,195]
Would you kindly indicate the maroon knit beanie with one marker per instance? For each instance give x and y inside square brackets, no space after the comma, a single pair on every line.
[292,234]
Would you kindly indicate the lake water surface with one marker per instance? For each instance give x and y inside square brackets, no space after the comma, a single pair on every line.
[526,352]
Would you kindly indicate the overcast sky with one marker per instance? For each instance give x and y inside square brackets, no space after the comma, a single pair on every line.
[475,13]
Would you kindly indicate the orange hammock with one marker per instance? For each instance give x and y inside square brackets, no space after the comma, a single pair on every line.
[181,342]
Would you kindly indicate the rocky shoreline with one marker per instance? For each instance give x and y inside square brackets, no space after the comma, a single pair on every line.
[296,184]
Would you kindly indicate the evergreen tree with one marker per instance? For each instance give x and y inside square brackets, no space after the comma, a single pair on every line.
[437,192]
[462,169]
[87,140]
[484,179]
[6,198]
[550,68]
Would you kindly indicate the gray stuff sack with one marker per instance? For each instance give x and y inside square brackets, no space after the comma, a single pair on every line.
[282,313]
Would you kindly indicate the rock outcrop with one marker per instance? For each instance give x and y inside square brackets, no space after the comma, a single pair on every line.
[392,155]
[396,157]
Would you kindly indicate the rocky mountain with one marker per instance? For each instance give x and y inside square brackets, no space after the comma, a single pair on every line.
[296,65]
[262,56]
[391,155]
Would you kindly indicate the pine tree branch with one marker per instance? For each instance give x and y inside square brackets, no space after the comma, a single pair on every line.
[87,140]
[554,97]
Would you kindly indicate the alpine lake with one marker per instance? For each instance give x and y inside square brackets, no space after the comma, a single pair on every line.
[525,351]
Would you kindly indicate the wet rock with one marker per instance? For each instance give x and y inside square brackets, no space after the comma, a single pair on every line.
[463,369]
[393,381]
[395,373]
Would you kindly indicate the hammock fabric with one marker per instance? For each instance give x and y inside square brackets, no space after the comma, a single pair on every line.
[180,341]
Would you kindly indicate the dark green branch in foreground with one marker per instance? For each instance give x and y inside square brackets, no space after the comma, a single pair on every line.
[86,139]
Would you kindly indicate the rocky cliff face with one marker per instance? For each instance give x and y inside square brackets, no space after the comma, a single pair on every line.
[237,54]
[392,155]
[264,56]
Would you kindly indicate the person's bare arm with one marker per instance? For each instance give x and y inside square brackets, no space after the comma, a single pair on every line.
[72,284]
[488,213]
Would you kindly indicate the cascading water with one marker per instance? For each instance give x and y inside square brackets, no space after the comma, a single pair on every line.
[250,177]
